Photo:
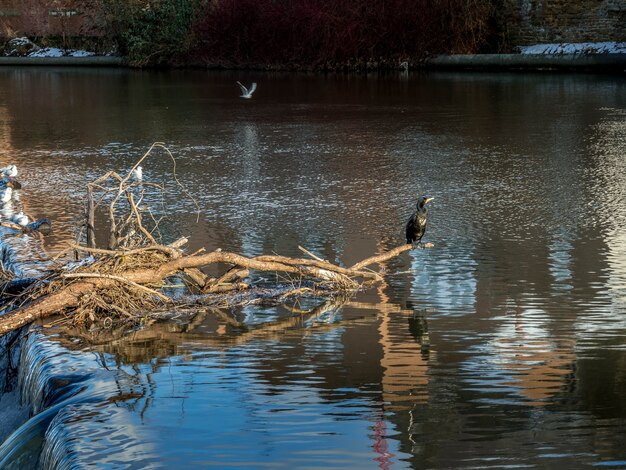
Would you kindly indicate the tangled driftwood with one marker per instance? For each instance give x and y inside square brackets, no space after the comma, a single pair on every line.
[126,280]
[76,290]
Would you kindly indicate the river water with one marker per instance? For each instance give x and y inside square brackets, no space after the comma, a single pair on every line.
[504,346]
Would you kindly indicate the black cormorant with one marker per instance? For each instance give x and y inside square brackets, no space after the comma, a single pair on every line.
[416,226]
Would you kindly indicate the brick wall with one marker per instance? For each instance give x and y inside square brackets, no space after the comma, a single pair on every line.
[45,18]
[545,21]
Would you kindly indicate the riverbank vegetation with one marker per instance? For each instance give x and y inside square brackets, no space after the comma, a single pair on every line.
[297,34]
[149,32]
[327,34]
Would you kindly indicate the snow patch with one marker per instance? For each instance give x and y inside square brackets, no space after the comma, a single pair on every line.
[56,52]
[81,53]
[576,48]
[23,41]
[47,52]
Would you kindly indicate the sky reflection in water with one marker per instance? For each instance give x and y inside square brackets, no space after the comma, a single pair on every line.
[502,346]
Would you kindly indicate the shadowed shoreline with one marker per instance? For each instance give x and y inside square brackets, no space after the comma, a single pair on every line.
[615,63]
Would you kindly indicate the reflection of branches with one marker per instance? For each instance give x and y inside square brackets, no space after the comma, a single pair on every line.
[178,326]
[381,307]
[301,320]
[177,334]
[332,304]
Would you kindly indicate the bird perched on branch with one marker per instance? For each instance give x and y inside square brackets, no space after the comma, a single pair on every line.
[138,173]
[245,93]
[416,226]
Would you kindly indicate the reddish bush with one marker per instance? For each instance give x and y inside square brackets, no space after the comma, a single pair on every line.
[316,32]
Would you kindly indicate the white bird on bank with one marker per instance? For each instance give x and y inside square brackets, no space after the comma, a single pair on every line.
[138,173]
[5,195]
[245,93]
[20,219]
[7,211]
[10,171]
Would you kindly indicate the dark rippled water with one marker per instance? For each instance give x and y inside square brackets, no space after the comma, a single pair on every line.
[502,347]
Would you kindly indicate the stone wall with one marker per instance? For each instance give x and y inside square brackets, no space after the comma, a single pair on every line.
[547,21]
[37,18]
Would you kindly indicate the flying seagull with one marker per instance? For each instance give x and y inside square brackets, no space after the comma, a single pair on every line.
[245,93]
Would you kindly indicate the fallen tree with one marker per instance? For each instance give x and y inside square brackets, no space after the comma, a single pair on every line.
[128,279]
[91,291]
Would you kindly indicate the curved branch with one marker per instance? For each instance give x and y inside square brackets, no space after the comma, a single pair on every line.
[121,279]
[386,256]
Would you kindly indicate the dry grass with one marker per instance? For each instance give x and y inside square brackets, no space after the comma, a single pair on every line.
[124,301]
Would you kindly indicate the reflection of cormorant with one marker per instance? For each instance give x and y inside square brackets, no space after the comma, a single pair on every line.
[416,226]
[418,327]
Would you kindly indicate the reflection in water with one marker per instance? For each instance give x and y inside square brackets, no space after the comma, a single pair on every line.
[266,398]
[527,360]
[560,262]
[405,362]
[503,346]
[608,191]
